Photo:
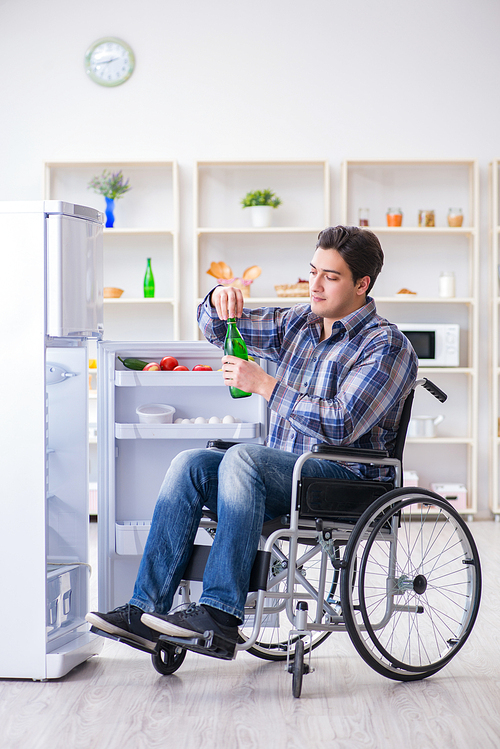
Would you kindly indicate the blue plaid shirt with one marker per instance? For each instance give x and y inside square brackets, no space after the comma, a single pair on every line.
[346,390]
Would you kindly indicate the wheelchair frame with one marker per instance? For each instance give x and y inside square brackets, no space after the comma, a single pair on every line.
[409,579]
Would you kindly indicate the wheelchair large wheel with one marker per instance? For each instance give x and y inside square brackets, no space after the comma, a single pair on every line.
[419,584]
[272,642]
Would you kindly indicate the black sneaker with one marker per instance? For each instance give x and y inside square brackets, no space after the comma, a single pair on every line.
[125,621]
[188,622]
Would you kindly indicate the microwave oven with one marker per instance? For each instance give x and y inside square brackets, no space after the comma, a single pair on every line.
[435,344]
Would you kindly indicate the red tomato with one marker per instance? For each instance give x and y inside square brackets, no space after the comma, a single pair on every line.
[202,368]
[180,368]
[152,367]
[168,363]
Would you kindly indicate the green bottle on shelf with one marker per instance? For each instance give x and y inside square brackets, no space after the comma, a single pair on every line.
[234,345]
[149,281]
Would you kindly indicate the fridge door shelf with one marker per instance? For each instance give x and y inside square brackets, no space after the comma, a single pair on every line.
[66,599]
[240,430]
[167,379]
[131,535]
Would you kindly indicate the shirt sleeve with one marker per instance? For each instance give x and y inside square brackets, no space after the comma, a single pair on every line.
[372,389]
[262,328]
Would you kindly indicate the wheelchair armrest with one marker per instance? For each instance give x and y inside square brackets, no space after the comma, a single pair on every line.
[355,452]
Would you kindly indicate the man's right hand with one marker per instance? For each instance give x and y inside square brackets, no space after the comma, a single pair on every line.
[228,301]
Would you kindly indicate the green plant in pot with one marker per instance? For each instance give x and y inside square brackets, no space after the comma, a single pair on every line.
[261,204]
[112,187]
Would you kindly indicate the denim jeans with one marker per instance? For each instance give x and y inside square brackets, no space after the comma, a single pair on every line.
[245,486]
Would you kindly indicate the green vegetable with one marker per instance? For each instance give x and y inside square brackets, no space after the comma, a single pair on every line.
[138,364]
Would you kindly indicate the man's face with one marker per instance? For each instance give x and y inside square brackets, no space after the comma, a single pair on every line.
[332,290]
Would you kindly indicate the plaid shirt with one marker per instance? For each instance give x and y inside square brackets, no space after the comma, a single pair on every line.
[346,390]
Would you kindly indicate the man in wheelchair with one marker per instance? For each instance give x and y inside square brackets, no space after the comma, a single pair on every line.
[342,377]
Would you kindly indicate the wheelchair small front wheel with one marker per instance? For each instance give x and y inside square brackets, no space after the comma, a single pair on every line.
[298,668]
[167,658]
[419,584]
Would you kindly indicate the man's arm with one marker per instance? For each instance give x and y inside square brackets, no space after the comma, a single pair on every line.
[371,389]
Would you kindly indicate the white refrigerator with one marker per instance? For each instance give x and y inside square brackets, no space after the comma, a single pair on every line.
[51,301]
[133,456]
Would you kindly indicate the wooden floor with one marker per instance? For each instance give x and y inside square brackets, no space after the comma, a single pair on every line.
[118,701]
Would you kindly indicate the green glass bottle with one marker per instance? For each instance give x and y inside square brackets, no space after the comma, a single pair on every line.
[234,345]
[149,281]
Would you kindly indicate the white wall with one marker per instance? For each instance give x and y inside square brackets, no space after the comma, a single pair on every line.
[267,79]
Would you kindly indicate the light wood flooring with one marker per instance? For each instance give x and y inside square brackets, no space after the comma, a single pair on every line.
[118,701]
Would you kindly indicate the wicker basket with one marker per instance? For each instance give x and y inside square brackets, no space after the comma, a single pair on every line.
[293,289]
[111,292]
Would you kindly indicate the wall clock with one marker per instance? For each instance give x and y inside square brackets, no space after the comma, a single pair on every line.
[109,61]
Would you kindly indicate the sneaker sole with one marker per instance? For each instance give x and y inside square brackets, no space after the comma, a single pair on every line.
[167,628]
[96,621]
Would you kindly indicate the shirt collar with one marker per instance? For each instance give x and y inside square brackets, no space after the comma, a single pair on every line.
[352,323]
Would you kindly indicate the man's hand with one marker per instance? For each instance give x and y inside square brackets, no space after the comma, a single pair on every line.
[228,301]
[247,376]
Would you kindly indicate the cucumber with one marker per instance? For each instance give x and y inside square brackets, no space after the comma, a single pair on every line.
[137,364]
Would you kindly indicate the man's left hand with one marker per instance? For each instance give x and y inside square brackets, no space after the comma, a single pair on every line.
[247,376]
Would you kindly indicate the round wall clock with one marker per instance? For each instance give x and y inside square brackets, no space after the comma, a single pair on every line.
[109,61]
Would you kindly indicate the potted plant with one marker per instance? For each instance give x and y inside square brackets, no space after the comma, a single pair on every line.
[261,204]
[112,187]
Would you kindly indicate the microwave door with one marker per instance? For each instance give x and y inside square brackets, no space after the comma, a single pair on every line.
[424,344]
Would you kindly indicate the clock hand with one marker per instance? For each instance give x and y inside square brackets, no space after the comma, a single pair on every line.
[106,62]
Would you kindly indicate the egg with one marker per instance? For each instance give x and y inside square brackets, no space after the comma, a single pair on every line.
[228,419]
[185,421]
[178,421]
[200,420]
[214,420]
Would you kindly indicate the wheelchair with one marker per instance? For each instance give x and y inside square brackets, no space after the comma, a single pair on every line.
[396,567]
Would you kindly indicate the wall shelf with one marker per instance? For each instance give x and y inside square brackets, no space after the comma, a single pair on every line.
[223,232]
[415,256]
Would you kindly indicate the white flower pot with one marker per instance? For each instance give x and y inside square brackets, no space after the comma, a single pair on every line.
[261,215]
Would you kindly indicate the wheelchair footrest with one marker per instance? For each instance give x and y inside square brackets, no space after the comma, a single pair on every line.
[209,643]
[125,640]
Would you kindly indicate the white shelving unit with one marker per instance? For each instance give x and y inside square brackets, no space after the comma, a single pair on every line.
[223,232]
[146,225]
[414,258]
[495,331]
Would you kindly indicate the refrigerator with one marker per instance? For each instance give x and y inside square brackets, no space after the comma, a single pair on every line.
[133,456]
[51,299]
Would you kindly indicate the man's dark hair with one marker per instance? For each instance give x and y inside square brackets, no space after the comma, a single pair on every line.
[359,248]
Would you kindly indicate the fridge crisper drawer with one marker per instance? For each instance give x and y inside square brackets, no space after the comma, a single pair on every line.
[131,536]
[65,598]
[245,430]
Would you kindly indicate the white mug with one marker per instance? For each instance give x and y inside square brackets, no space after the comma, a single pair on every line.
[424,426]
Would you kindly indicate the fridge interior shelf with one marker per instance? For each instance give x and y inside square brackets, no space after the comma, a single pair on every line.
[131,535]
[240,430]
[167,379]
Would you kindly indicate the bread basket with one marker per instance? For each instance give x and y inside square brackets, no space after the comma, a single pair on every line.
[293,289]
[111,292]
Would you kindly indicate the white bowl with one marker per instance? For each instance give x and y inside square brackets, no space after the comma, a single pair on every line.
[155,413]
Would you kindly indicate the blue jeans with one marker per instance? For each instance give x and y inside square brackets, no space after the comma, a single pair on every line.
[245,486]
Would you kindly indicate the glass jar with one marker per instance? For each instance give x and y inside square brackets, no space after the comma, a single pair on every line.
[394,217]
[455,217]
[447,285]
[364,217]
[426,218]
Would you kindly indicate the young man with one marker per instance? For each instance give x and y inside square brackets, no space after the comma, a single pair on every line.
[342,376]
